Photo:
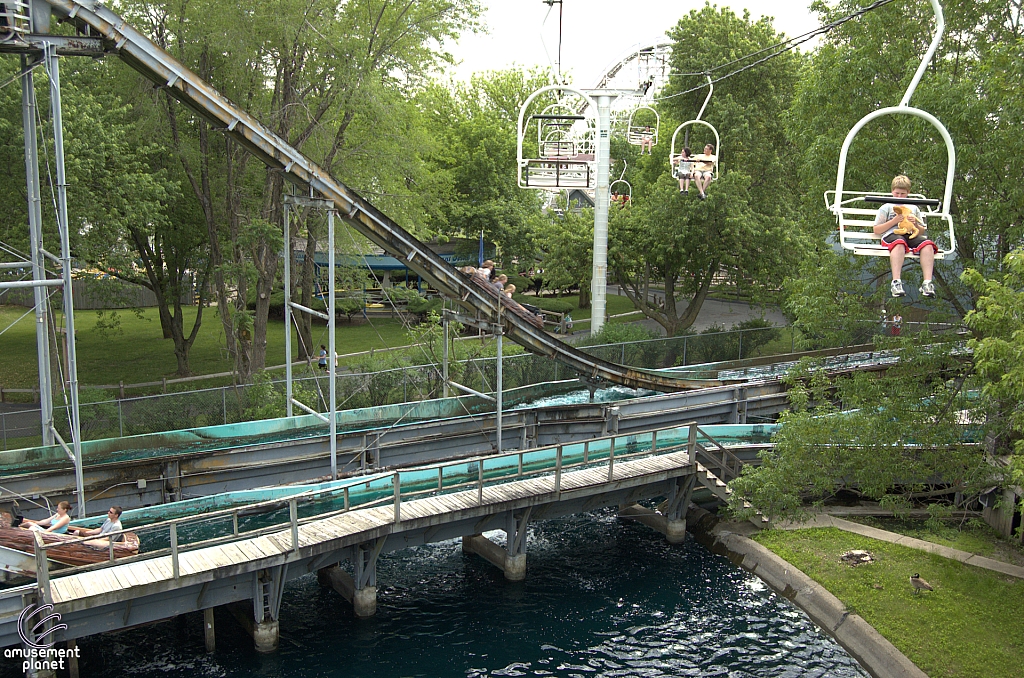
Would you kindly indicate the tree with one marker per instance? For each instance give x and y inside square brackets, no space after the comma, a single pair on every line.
[663,241]
[998,346]
[335,80]
[566,245]
[475,126]
[744,233]
[885,436]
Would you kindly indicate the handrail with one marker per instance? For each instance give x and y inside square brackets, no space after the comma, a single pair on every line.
[585,457]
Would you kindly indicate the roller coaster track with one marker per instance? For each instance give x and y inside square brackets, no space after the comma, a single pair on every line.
[139,52]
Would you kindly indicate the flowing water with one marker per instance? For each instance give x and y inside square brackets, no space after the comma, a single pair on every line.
[601,598]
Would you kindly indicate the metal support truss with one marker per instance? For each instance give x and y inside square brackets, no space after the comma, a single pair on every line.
[290,203]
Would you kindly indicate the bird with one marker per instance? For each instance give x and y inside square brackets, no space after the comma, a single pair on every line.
[920,584]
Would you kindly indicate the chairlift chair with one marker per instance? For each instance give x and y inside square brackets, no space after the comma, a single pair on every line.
[856,222]
[697,121]
[635,132]
[566,139]
[626,185]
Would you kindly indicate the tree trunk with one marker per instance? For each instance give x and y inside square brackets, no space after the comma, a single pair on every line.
[304,320]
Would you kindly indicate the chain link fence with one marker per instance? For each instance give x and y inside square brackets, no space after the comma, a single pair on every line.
[104,417]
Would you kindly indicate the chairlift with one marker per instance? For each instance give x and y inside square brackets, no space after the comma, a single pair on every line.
[626,197]
[856,224]
[566,139]
[635,132]
[697,121]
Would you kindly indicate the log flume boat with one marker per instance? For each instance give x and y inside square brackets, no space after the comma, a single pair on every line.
[82,553]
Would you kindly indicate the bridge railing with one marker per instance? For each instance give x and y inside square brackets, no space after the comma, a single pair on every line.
[393,488]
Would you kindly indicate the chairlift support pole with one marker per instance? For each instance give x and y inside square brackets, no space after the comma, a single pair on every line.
[599,280]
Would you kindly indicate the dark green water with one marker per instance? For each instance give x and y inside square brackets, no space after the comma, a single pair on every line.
[602,598]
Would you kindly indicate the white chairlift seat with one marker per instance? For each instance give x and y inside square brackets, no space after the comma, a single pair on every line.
[635,132]
[565,156]
[856,220]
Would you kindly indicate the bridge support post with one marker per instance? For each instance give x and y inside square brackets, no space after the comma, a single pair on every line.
[361,589]
[261,619]
[670,519]
[512,559]
[208,630]
[72,660]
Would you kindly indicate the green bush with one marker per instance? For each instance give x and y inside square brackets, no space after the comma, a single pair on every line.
[553,305]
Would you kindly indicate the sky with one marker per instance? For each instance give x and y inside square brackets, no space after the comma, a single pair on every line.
[595,33]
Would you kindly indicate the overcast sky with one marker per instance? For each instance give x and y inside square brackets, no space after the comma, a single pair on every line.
[595,33]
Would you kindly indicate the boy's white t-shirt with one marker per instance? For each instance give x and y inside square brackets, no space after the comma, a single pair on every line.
[886,212]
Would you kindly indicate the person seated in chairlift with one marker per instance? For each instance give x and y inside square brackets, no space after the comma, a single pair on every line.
[704,169]
[646,141]
[684,169]
[905,232]
[499,282]
[509,291]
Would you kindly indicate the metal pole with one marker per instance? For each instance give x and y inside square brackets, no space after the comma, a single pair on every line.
[53,66]
[35,228]
[444,359]
[288,311]
[497,394]
[599,283]
[332,359]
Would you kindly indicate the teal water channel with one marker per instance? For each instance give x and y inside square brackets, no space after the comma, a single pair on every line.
[268,508]
[602,597]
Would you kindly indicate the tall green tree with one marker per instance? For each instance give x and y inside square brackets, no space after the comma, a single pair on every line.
[334,79]
[745,233]
[475,126]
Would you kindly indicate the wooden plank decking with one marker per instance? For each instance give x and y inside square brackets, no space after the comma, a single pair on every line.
[123,582]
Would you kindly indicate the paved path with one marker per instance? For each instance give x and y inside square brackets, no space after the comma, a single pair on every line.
[824,520]
[715,312]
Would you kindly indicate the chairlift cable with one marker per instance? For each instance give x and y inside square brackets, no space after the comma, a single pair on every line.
[785,46]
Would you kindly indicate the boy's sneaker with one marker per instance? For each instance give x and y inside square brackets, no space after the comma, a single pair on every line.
[927,289]
[897,289]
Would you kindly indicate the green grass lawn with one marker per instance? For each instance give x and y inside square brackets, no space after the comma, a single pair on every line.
[974,536]
[138,353]
[970,627]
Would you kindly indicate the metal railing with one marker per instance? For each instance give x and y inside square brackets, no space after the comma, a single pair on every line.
[394,487]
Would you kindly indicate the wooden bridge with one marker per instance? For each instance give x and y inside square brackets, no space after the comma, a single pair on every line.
[380,513]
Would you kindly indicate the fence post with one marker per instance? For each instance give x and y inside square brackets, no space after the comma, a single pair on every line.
[3,419]
[611,459]
[398,497]
[224,403]
[293,517]
[174,549]
[740,356]
[120,419]
[42,568]
[558,469]
[164,386]
[120,390]
[684,351]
